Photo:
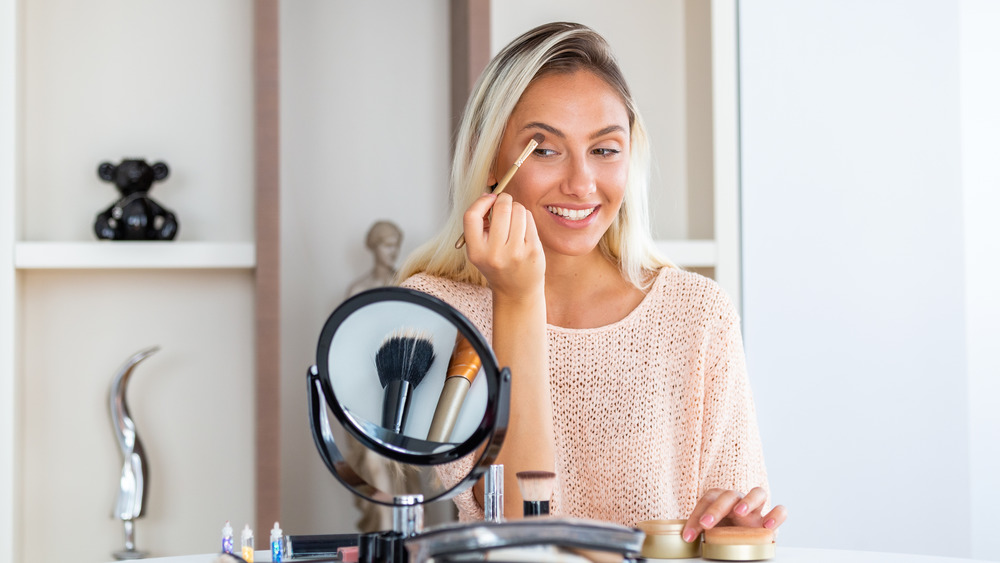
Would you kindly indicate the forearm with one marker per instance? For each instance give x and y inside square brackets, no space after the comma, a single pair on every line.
[520,343]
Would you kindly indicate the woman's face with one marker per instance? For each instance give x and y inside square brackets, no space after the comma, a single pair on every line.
[574,182]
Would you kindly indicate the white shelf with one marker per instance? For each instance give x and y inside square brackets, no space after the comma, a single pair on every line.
[690,253]
[133,255]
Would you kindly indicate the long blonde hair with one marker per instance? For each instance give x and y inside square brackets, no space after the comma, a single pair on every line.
[560,47]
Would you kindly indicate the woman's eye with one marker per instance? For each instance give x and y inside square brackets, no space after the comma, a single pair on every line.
[544,152]
[605,152]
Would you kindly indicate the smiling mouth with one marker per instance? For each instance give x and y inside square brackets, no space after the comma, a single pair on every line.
[570,214]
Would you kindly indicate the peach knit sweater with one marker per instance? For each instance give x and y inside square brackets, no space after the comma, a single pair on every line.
[649,412]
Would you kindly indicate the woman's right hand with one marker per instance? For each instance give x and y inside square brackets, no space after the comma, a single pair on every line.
[506,248]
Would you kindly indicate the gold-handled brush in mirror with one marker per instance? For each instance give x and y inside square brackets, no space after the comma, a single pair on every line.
[462,370]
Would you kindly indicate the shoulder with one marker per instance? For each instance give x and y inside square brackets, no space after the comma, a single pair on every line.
[473,301]
[694,294]
[443,288]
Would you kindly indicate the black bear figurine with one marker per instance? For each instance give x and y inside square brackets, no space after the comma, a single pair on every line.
[135,216]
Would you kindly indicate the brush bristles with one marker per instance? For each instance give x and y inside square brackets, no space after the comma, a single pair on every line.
[536,486]
[404,356]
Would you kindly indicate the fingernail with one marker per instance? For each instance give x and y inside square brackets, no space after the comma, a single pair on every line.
[769,523]
[707,520]
[689,535]
[742,508]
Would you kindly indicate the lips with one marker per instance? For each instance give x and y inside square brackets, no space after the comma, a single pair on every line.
[570,214]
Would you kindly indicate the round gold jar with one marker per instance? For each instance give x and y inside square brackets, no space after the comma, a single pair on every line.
[734,543]
[664,541]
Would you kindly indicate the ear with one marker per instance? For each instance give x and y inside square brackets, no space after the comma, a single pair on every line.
[160,170]
[106,171]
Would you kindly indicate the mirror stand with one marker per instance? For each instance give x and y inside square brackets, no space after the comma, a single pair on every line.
[434,420]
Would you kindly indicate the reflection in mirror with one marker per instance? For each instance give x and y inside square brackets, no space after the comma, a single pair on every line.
[415,385]
[406,377]
[390,478]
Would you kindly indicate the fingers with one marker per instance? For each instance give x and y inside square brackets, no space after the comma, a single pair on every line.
[732,508]
[509,222]
[753,502]
[775,517]
[531,233]
[500,223]
[715,505]
[473,221]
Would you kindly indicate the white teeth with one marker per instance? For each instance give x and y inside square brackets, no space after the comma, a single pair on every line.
[571,214]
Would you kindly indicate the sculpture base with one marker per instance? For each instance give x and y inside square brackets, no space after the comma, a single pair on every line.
[129,554]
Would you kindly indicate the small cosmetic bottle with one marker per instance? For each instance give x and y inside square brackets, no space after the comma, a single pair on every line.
[246,542]
[736,543]
[227,538]
[664,540]
[277,543]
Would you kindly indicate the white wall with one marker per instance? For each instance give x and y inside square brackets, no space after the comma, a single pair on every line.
[160,80]
[980,90]
[857,264]
[364,136]
[8,294]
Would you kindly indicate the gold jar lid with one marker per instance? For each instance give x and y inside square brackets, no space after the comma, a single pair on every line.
[733,543]
[664,541]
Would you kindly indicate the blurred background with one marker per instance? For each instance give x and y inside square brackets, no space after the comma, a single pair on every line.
[831,163]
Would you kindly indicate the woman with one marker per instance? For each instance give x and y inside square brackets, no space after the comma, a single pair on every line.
[628,377]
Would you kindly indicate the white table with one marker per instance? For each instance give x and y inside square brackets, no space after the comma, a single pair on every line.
[784,555]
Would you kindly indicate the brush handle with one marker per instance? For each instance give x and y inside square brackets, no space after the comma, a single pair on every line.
[396,404]
[449,405]
[532,144]
[536,508]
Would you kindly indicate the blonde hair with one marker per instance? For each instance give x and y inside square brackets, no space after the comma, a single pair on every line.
[551,48]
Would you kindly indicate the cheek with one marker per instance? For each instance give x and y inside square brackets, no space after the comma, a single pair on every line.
[614,182]
[527,186]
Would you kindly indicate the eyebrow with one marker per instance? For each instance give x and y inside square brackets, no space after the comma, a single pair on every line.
[561,135]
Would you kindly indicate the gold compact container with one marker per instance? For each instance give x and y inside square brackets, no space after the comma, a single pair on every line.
[736,543]
[664,541]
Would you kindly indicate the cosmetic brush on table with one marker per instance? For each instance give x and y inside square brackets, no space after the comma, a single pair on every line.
[532,144]
[402,362]
[536,491]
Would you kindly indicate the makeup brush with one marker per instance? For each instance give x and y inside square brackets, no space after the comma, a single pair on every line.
[536,491]
[462,369]
[402,362]
[532,144]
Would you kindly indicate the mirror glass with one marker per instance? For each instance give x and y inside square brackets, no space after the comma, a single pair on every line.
[414,384]
[387,365]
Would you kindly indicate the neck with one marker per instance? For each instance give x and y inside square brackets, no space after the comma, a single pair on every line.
[586,291]
[573,272]
[381,269]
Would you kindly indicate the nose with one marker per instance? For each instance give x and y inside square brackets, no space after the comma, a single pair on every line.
[579,180]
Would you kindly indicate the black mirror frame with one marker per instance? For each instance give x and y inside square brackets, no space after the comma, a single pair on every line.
[491,430]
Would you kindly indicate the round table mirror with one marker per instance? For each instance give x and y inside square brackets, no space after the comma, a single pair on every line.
[414,385]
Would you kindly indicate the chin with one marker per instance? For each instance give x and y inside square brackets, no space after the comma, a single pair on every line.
[573,248]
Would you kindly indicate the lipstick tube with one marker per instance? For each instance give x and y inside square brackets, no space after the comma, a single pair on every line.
[493,494]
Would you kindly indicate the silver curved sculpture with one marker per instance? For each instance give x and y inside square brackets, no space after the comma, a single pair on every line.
[134,476]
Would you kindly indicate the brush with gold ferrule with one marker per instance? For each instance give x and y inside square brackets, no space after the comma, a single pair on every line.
[532,144]
[462,369]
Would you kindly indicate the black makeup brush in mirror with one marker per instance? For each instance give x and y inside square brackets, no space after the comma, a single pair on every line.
[402,362]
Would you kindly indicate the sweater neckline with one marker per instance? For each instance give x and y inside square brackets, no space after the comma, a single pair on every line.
[643,304]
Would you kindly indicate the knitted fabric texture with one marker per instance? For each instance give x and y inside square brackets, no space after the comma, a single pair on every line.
[649,412]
